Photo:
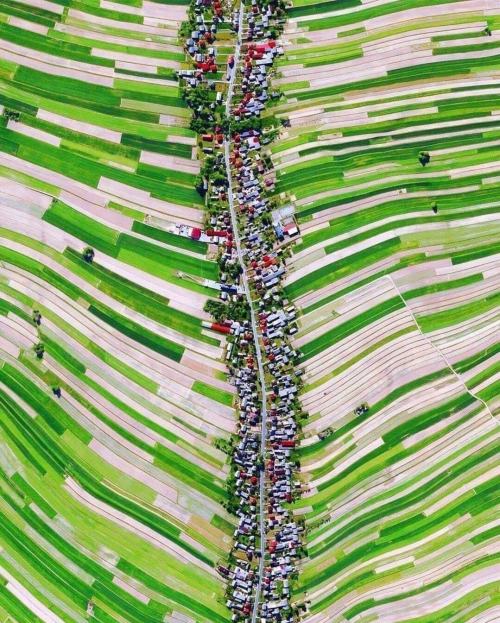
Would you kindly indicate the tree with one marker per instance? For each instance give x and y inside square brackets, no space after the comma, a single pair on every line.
[424,158]
[185,30]
[88,255]
[434,207]
[37,317]
[224,445]
[200,185]
[56,390]
[234,270]
[39,350]
[254,123]
[266,219]
[198,125]
[225,122]
[238,310]
[196,97]
[208,166]
[12,115]
[219,179]
[217,309]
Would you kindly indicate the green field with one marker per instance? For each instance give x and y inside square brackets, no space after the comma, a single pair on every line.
[112,485]
[114,398]
[394,276]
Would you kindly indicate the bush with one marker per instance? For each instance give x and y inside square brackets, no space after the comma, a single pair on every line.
[424,158]
[39,350]
[88,254]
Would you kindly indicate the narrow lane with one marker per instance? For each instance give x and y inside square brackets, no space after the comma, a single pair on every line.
[258,354]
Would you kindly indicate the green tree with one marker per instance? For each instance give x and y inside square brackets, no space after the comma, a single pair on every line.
[217,309]
[37,317]
[88,255]
[424,158]
[39,350]
[199,125]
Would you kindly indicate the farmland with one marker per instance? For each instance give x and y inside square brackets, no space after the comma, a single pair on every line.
[112,394]
[249,425]
[390,162]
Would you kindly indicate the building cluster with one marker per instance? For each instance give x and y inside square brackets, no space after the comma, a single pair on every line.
[248,472]
[265,268]
[259,58]
[200,43]
[267,540]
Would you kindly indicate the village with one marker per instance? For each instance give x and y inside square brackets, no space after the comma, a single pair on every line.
[260,359]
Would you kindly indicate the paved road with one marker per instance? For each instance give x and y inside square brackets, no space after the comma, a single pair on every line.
[234,221]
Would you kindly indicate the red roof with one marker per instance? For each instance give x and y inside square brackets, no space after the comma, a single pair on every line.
[220,328]
[196,233]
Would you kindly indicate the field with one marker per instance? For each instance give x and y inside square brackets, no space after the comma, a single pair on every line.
[115,400]
[112,484]
[391,163]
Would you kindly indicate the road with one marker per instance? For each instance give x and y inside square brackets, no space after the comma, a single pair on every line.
[246,288]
